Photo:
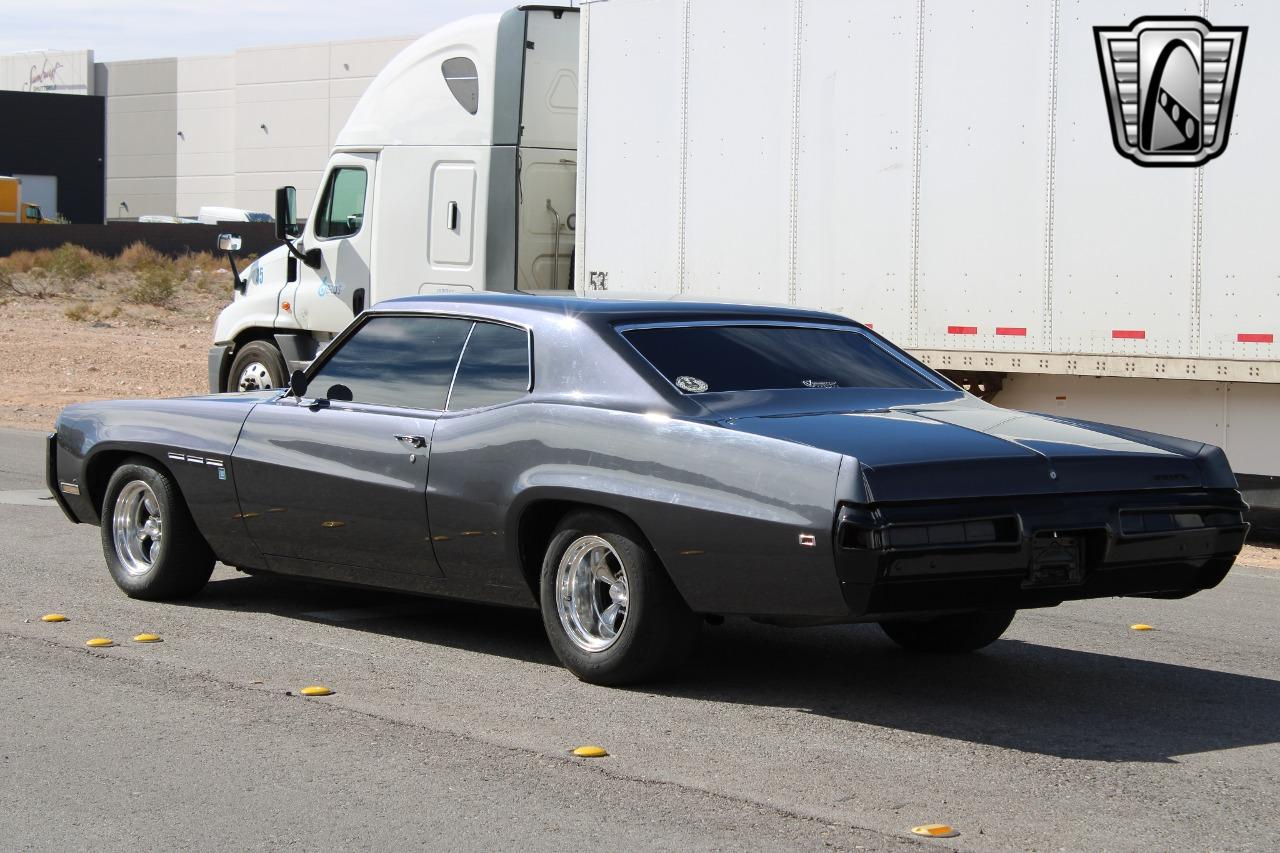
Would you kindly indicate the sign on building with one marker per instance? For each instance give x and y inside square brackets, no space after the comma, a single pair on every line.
[67,72]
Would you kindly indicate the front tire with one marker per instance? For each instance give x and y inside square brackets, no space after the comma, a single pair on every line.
[955,632]
[152,547]
[611,613]
[258,366]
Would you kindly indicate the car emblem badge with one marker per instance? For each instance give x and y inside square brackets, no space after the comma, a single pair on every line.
[691,384]
[1170,84]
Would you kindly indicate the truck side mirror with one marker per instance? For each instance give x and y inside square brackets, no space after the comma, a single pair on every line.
[298,384]
[229,242]
[287,213]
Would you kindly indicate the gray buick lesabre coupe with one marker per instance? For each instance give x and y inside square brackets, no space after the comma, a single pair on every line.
[634,469]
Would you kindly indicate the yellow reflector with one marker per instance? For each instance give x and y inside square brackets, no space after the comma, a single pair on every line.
[100,643]
[147,638]
[590,752]
[1141,627]
[53,617]
[935,830]
[316,690]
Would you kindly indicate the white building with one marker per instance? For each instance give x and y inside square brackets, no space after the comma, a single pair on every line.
[214,130]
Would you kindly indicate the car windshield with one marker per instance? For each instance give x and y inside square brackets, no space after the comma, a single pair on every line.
[711,358]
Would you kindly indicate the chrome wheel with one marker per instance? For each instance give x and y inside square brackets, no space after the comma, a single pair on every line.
[137,528]
[255,377]
[591,593]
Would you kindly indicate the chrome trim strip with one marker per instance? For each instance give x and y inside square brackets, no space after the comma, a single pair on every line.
[69,488]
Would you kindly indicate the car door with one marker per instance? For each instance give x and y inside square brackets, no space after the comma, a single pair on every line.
[339,477]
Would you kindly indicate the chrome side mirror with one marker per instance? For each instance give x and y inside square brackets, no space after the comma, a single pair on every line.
[229,242]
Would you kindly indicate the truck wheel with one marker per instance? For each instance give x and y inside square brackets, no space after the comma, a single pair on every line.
[611,613]
[152,546]
[258,366]
[956,632]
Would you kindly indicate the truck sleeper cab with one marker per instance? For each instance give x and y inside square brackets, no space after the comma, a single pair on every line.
[455,173]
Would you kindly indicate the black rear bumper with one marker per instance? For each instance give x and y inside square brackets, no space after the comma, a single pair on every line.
[1039,551]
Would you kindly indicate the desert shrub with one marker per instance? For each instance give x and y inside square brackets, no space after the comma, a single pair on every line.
[80,312]
[6,283]
[155,286]
[72,263]
[24,260]
[139,256]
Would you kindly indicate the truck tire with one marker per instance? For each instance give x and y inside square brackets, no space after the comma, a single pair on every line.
[151,544]
[955,632]
[258,366]
[611,613]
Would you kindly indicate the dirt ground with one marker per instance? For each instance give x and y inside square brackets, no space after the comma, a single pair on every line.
[87,341]
[91,343]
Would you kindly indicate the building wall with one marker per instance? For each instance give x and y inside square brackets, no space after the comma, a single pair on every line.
[60,137]
[227,130]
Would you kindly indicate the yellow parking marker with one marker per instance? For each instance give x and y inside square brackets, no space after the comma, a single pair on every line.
[148,638]
[935,830]
[54,617]
[316,690]
[100,643]
[1141,627]
[591,752]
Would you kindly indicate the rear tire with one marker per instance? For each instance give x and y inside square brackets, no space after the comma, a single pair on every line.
[152,547]
[610,611]
[955,632]
[258,366]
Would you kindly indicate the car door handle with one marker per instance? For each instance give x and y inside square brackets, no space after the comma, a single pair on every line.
[412,440]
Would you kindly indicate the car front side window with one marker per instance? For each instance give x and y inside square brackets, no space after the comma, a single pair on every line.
[401,361]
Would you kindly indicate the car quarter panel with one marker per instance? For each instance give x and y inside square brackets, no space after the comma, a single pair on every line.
[723,510]
[191,437]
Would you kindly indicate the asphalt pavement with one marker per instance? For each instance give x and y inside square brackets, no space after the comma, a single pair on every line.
[451,725]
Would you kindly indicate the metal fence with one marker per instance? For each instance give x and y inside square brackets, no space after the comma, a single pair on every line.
[115,237]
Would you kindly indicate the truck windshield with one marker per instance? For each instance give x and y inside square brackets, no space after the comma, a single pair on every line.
[698,359]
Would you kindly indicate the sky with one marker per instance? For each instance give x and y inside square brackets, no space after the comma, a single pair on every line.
[140,29]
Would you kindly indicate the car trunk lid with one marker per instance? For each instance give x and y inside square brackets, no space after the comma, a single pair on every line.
[952,451]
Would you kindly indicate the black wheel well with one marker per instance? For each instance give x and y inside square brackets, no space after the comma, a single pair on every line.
[101,466]
[538,522]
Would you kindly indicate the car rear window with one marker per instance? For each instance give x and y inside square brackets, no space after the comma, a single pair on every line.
[698,359]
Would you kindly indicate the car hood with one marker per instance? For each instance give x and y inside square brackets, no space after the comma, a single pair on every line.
[965,449]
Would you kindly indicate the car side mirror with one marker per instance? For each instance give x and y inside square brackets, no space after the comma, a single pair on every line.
[298,384]
[229,243]
[287,213]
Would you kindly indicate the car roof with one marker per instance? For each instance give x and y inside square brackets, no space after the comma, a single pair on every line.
[505,305]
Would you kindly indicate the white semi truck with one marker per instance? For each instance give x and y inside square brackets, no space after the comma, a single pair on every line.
[948,174]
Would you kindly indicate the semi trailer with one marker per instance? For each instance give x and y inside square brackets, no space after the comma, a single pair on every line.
[967,180]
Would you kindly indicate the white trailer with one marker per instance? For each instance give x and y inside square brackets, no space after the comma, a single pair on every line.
[944,173]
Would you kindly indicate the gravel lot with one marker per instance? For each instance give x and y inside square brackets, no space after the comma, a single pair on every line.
[116,348]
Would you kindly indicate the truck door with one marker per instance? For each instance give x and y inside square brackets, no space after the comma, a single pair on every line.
[326,299]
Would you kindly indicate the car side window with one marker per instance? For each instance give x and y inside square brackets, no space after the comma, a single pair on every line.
[494,368]
[342,212]
[395,361]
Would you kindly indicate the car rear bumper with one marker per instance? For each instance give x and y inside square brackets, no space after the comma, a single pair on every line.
[902,559]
